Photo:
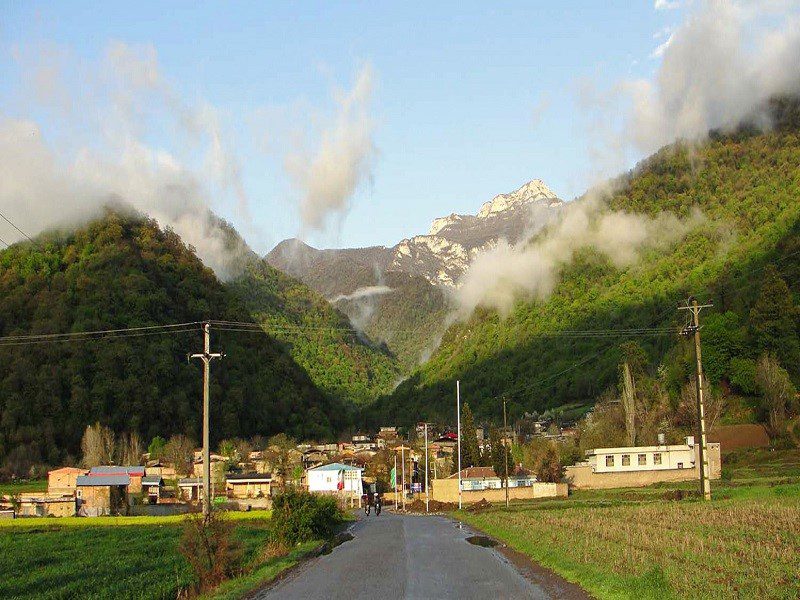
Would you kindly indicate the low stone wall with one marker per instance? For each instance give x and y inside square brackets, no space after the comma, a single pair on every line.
[582,477]
[446,490]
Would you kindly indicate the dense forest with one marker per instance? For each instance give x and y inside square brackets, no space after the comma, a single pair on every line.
[320,338]
[123,271]
[744,255]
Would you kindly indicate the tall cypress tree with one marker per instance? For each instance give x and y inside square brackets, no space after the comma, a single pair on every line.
[773,321]
[470,450]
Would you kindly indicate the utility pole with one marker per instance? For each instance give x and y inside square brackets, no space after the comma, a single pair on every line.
[505,445]
[458,425]
[395,482]
[403,469]
[427,491]
[702,447]
[207,356]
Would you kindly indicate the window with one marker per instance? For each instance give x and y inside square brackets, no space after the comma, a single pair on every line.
[657,458]
[680,465]
[609,461]
[642,459]
[626,460]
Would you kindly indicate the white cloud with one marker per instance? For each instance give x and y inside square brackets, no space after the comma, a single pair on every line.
[328,176]
[718,67]
[662,47]
[667,4]
[123,98]
[530,270]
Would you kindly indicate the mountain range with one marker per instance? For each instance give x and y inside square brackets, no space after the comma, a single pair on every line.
[398,295]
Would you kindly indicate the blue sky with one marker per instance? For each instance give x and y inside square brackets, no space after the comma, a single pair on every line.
[470,100]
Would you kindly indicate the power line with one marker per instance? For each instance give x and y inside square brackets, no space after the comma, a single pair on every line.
[7,220]
[110,337]
[99,331]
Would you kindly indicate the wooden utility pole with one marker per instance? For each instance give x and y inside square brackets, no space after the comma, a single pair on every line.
[206,357]
[505,445]
[693,329]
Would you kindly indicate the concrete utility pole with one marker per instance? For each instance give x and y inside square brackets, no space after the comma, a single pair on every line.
[694,329]
[458,426]
[403,469]
[206,357]
[427,491]
[505,445]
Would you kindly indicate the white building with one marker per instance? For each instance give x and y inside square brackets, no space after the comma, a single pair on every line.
[642,458]
[335,478]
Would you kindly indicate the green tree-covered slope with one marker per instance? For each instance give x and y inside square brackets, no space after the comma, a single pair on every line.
[123,271]
[747,186]
[319,337]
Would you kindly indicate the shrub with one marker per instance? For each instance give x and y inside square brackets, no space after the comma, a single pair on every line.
[299,516]
[743,375]
[209,546]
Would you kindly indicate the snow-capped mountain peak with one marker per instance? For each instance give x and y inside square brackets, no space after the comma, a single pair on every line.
[532,191]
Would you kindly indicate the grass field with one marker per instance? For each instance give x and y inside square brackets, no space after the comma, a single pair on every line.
[117,557]
[643,543]
[34,485]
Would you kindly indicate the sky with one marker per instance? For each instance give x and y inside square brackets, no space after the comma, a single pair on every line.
[347,124]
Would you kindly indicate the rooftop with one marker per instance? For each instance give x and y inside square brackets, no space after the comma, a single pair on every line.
[66,470]
[475,473]
[336,467]
[103,480]
[116,470]
[263,477]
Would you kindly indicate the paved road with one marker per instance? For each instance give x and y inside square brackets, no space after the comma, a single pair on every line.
[403,556]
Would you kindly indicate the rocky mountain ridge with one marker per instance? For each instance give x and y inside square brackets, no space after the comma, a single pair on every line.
[441,256]
[382,289]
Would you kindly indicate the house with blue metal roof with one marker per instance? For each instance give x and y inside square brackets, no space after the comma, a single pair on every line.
[335,478]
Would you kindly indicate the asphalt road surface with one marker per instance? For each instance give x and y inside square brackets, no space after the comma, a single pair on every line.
[405,556]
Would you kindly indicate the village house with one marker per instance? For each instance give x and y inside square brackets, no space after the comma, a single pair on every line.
[191,489]
[63,481]
[158,467]
[99,495]
[47,505]
[134,474]
[335,478]
[218,466]
[363,443]
[152,486]
[642,465]
[313,458]
[248,485]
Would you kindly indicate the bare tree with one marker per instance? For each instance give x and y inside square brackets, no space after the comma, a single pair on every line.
[179,452]
[629,404]
[130,449]
[777,390]
[686,415]
[279,457]
[97,445]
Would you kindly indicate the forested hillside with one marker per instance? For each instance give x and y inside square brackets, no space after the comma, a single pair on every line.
[319,337]
[747,186]
[122,271]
